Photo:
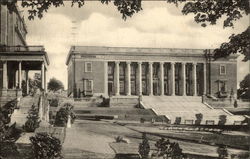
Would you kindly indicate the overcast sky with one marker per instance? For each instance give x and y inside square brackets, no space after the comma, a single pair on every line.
[158,25]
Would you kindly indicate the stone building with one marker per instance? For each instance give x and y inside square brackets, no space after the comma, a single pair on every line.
[16,57]
[128,71]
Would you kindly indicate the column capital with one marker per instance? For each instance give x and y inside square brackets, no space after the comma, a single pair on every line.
[117,62]
[139,62]
[128,62]
[183,63]
[194,63]
[162,63]
[150,63]
[172,62]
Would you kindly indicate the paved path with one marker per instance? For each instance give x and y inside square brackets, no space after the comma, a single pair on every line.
[80,140]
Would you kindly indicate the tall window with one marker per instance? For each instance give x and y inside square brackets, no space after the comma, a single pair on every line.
[222,69]
[223,86]
[89,85]
[88,67]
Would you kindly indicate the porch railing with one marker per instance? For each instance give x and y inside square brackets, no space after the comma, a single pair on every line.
[21,48]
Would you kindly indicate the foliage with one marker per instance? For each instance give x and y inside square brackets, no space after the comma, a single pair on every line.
[33,120]
[222,120]
[54,102]
[167,149]
[199,118]
[244,90]
[35,84]
[144,147]
[55,85]
[222,152]
[45,146]
[177,121]
[8,133]
[63,114]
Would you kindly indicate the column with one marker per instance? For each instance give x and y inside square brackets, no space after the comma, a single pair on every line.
[27,81]
[45,80]
[128,82]
[204,79]
[42,75]
[173,78]
[150,64]
[162,78]
[106,78]
[117,77]
[183,78]
[5,75]
[20,75]
[194,80]
[139,78]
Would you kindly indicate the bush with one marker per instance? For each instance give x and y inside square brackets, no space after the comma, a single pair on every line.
[62,115]
[199,118]
[45,146]
[177,121]
[222,120]
[33,121]
[144,147]
[54,102]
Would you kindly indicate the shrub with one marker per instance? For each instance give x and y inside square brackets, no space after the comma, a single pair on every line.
[54,102]
[222,152]
[33,121]
[45,146]
[177,121]
[222,120]
[199,118]
[144,147]
[63,114]
[142,120]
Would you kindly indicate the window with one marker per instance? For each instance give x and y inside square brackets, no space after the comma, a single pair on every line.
[89,85]
[88,67]
[222,69]
[223,86]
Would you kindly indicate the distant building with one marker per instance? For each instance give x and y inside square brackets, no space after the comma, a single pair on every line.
[16,57]
[128,71]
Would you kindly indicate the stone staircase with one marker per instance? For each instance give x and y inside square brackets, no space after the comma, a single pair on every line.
[186,108]
[19,115]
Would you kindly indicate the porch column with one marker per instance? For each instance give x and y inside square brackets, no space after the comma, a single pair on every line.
[27,81]
[5,75]
[150,64]
[20,75]
[117,76]
[194,80]
[183,78]
[205,79]
[162,78]
[106,78]
[128,79]
[42,75]
[139,78]
[45,80]
[173,78]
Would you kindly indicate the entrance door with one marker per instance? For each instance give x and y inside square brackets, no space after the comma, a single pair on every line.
[155,88]
[110,89]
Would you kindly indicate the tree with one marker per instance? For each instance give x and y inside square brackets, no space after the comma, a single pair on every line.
[55,85]
[244,90]
[144,147]
[205,12]
[33,121]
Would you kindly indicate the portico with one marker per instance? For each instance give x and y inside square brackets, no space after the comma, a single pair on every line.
[155,78]
[15,64]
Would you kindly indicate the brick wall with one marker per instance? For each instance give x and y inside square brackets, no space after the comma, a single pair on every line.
[230,77]
[97,75]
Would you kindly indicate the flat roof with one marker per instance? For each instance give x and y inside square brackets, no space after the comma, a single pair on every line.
[104,50]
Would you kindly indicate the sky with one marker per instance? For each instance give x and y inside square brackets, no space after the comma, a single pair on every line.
[158,25]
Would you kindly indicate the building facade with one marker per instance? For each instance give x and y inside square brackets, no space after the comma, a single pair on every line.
[16,57]
[124,71]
